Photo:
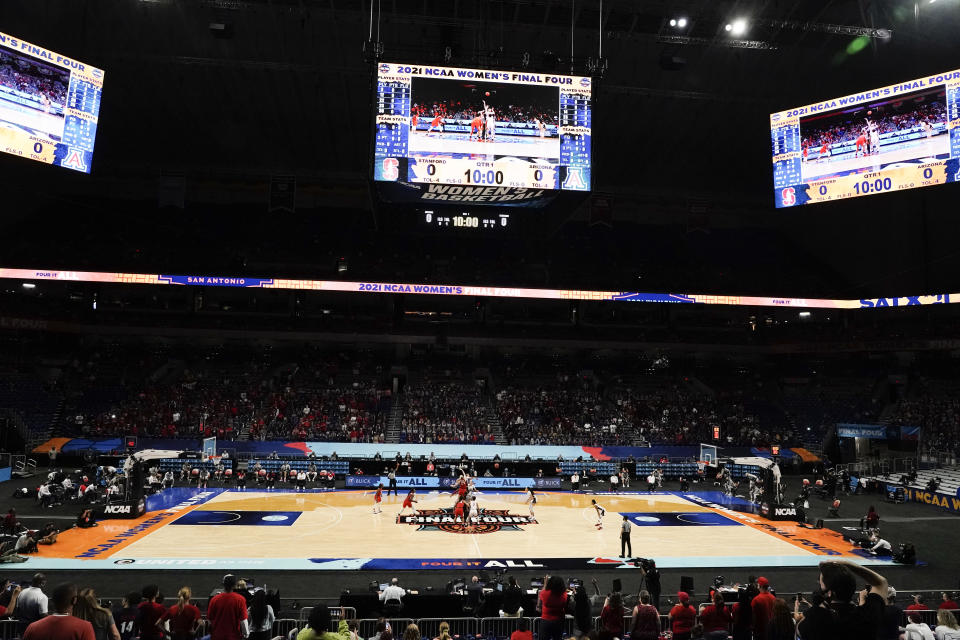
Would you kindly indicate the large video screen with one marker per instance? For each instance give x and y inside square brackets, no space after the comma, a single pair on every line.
[463,130]
[899,137]
[49,105]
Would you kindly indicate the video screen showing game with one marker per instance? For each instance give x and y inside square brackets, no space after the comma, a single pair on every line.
[473,128]
[898,137]
[49,105]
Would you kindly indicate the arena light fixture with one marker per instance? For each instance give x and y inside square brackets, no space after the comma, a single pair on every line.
[678,23]
[738,27]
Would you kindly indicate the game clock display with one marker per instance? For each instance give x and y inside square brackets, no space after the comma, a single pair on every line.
[903,136]
[482,132]
[49,105]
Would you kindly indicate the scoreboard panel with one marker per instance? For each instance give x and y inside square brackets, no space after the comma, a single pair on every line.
[49,105]
[898,137]
[496,133]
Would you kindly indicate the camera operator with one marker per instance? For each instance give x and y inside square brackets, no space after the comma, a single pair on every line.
[651,576]
[838,617]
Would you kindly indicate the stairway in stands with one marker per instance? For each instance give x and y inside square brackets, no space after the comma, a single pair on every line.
[493,420]
[396,416]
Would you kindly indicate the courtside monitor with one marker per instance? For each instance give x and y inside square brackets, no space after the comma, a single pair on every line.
[903,136]
[483,137]
[49,105]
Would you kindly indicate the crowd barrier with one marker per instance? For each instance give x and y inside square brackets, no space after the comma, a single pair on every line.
[434,482]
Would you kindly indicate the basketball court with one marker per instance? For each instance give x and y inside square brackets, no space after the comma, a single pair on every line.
[338,530]
[437,145]
[926,149]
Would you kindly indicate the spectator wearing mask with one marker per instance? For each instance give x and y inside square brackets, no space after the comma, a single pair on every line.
[61,624]
[837,616]
[261,617]
[88,608]
[227,613]
[183,617]
[645,621]
[682,617]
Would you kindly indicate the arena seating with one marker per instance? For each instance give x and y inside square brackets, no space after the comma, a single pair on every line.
[444,412]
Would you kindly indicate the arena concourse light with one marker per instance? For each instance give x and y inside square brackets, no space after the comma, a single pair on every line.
[678,23]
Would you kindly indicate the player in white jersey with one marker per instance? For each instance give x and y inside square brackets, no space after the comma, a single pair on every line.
[473,517]
[491,121]
[540,126]
[927,129]
[600,513]
[531,500]
[874,136]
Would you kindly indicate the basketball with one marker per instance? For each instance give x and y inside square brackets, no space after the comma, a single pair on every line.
[195,472]
[869,113]
[487,94]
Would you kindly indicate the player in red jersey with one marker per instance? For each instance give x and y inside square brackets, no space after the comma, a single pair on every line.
[824,151]
[437,122]
[806,150]
[377,498]
[414,118]
[409,502]
[861,145]
[476,127]
[458,511]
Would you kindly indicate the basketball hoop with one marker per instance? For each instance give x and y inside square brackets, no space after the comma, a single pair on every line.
[702,466]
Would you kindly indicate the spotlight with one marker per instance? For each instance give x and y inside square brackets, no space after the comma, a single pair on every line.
[681,22]
[29,285]
[673,22]
[737,27]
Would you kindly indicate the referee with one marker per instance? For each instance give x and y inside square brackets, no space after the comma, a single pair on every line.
[625,538]
[392,478]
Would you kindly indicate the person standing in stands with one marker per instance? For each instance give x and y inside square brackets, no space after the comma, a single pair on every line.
[611,616]
[645,623]
[651,576]
[32,603]
[762,608]
[125,617]
[61,625]
[512,600]
[227,613]
[149,612]
[715,619]
[184,617]
[682,616]
[552,605]
[948,602]
[87,607]
[261,617]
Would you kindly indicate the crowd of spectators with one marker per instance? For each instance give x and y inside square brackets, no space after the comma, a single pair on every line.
[41,84]
[929,112]
[934,406]
[851,602]
[444,412]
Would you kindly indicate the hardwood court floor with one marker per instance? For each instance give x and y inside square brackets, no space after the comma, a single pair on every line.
[338,530]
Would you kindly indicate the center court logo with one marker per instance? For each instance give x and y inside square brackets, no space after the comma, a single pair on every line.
[490,521]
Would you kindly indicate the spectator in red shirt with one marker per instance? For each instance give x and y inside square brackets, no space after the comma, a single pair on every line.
[184,617]
[762,607]
[552,605]
[523,630]
[948,602]
[715,619]
[149,612]
[918,604]
[682,617]
[611,617]
[227,613]
[61,625]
